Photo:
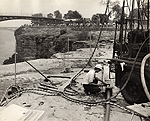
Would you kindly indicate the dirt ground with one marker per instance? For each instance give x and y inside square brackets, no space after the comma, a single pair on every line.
[57,108]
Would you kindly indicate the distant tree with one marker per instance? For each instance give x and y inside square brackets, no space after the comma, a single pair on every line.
[37,15]
[72,15]
[49,22]
[50,15]
[113,8]
[143,12]
[103,18]
[117,11]
[134,13]
[100,18]
[57,14]
[111,3]
[36,22]
[95,19]
[68,15]
[77,15]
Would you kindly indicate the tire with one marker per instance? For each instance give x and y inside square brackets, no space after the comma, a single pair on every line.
[133,92]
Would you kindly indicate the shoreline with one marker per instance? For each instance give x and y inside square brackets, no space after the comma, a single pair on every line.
[7,44]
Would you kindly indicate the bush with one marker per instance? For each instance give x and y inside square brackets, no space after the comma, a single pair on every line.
[64,31]
[83,35]
[11,60]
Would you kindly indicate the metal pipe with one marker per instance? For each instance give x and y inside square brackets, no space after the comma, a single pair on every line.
[37,71]
[84,58]
[132,12]
[138,2]
[15,64]
[59,77]
[108,94]
[114,46]
[121,27]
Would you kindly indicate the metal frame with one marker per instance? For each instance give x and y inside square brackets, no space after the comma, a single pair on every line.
[125,51]
[130,20]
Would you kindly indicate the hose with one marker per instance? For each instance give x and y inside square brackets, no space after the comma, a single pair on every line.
[131,70]
[76,75]
[143,77]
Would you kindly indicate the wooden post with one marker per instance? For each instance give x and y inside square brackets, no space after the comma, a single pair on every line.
[15,63]
[90,63]
[68,44]
[67,69]
[149,25]
[90,43]
[108,93]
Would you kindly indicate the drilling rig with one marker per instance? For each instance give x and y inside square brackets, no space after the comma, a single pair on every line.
[131,52]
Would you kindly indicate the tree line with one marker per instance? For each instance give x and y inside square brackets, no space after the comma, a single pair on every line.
[97,19]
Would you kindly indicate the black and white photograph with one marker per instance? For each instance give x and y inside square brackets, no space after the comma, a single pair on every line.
[74,60]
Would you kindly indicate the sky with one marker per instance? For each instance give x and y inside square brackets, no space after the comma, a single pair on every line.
[27,7]
[86,7]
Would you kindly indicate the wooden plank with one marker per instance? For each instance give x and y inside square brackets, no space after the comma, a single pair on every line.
[12,113]
[32,115]
[17,113]
[145,111]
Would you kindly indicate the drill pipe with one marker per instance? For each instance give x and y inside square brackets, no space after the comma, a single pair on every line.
[107,114]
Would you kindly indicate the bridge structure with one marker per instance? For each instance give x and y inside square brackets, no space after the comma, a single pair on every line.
[38,20]
[12,17]
[53,22]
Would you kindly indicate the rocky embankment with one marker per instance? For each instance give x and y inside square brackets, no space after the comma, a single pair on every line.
[43,42]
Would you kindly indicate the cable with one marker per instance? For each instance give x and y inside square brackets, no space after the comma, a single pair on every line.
[131,70]
[74,77]
[133,64]
[129,73]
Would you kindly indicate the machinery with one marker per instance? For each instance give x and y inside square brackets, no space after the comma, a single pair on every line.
[131,55]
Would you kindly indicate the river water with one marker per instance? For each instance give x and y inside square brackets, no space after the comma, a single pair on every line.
[7,43]
[7,38]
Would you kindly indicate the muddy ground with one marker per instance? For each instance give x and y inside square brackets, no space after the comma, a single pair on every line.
[57,108]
